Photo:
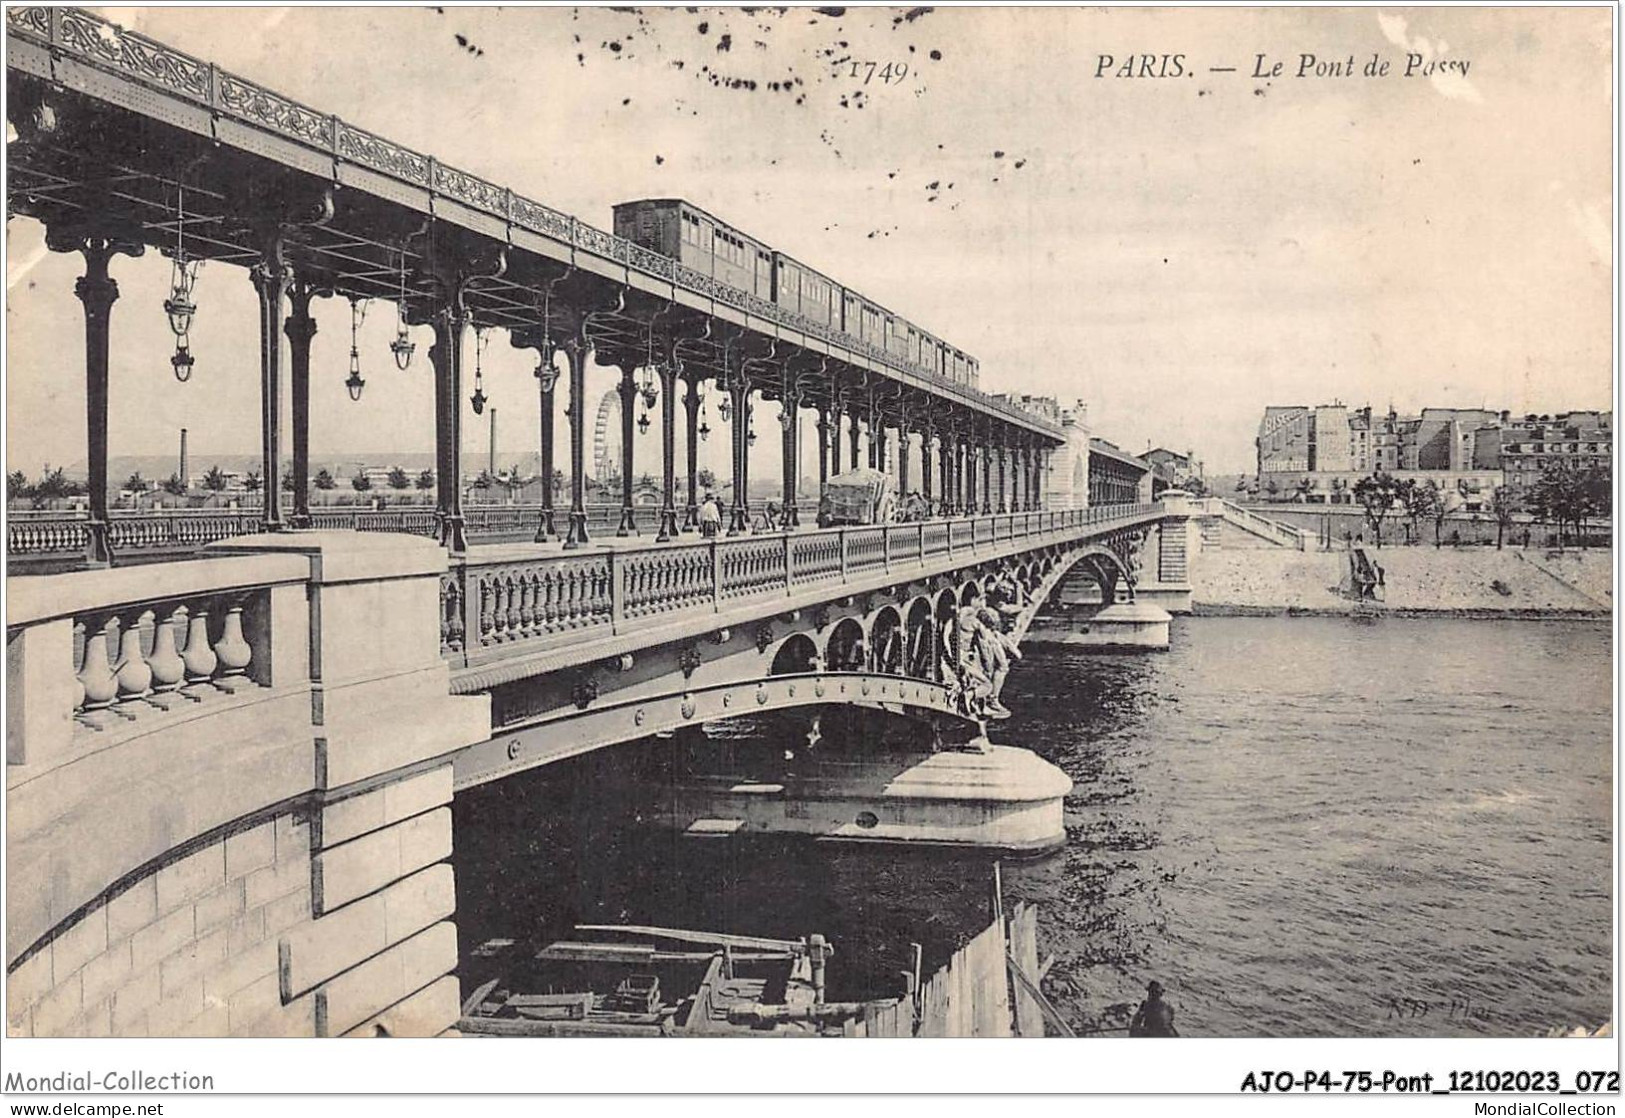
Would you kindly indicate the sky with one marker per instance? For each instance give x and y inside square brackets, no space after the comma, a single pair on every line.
[1176,252]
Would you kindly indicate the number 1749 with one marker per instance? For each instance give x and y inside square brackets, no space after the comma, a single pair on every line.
[891,73]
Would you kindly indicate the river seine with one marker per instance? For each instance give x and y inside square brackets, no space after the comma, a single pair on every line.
[1299,826]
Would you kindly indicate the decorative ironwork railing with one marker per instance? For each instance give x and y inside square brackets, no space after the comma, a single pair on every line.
[54,534]
[547,601]
[90,38]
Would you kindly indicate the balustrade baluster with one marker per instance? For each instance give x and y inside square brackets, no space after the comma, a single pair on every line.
[574,594]
[499,608]
[485,591]
[134,676]
[96,677]
[199,658]
[168,669]
[233,652]
[446,581]
[603,596]
[527,603]
[510,600]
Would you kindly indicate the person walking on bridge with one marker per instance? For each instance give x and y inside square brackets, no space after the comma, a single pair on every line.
[710,516]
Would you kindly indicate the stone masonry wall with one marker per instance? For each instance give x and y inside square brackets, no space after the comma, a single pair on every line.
[333,920]
[187,950]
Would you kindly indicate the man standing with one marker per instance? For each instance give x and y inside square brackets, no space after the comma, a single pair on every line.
[1155,1017]
[710,516]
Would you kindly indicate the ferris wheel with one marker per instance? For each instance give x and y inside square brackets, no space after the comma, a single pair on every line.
[606,437]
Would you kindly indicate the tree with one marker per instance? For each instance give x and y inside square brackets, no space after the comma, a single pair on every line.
[361,482]
[287,481]
[17,486]
[251,482]
[54,485]
[1377,494]
[324,480]
[398,478]
[1272,487]
[425,480]
[1241,484]
[707,478]
[1418,503]
[1305,487]
[1567,497]
[173,485]
[215,480]
[135,483]
[1504,505]
[1438,509]
[483,481]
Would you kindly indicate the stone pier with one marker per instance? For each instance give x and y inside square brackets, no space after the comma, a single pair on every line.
[270,808]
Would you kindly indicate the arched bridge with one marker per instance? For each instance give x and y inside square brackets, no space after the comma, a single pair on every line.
[582,651]
[247,760]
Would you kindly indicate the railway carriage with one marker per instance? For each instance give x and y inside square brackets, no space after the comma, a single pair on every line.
[801,290]
[697,240]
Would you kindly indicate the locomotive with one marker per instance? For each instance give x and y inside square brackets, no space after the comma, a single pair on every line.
[697,240]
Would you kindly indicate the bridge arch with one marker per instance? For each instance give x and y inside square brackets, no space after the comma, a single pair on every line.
[846,647]
[796,655]
[921,639]
[1096,564]
[887,641]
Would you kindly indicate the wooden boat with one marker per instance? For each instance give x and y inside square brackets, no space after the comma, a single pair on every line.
[638,980]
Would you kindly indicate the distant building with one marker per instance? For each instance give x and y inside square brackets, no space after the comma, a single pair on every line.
[1578,439]
[1317,454]
[1176,470]
[1115,476]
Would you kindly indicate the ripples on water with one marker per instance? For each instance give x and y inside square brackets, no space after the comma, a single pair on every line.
[1300,826]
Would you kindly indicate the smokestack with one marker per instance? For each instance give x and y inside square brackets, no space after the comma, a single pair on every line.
[491,453]
[185,477]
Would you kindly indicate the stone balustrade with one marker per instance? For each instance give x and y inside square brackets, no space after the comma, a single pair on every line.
[97,653]
[129,693]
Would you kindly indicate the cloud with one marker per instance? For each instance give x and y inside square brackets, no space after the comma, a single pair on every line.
[1453,85]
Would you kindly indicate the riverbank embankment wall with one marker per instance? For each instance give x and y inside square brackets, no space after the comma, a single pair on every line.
[1513,582]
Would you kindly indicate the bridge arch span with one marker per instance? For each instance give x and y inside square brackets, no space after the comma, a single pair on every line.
[921,660]
[552,740]
[845,648]
[797,653]
[886,641]
[1100,565]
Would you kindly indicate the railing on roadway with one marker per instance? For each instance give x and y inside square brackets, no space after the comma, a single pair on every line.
[493,606]
[63,534]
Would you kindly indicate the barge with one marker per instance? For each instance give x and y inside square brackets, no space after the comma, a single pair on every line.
[638,980]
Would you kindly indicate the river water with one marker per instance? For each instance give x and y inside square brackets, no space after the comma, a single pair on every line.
[1300,826]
